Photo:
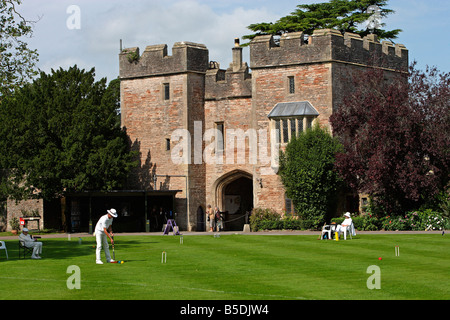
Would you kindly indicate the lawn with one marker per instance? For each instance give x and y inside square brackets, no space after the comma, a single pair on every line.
[235,267]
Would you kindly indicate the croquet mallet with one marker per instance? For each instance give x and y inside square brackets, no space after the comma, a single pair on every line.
[114,252]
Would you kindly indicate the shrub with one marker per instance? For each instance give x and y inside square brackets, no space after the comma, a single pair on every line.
[308,175]
[434,220]
[411,221]
[267,219]
[263,219]
[416,220]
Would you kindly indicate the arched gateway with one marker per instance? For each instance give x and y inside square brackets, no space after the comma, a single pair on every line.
[234,196]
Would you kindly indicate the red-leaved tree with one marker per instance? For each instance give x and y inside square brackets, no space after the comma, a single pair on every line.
[396,135]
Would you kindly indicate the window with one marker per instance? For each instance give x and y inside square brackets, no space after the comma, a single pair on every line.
[291,118]
[309,122]
[166,91]
[220,138]
[299,125]
[289,206]
[288,128]
[167,144]
[285,131]
[293,127]
[291,81]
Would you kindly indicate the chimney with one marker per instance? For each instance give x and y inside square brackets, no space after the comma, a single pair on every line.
[237,56]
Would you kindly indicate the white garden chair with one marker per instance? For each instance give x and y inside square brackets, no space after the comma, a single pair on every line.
[3,246]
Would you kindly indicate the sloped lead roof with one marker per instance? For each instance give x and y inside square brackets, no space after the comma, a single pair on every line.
[293,109]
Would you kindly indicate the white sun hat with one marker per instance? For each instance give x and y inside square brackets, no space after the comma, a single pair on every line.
[112,212]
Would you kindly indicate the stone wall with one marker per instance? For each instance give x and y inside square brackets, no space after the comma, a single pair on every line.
[203,96]
[15,210]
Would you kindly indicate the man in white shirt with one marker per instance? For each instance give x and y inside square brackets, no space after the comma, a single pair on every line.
[346,223]
[103,231]
[29,242]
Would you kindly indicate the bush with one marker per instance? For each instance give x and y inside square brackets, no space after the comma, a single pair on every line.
[263,219]
[411,221]
[308,175]
[434,220]
[267,219]
[416,220]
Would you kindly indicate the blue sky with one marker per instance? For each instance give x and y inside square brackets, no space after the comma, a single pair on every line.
[215,23]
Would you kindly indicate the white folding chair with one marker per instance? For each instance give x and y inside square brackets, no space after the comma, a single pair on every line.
[3,246]
[350,230]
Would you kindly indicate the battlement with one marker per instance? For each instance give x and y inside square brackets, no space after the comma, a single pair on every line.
[186,57]
[326,45]
[235,82]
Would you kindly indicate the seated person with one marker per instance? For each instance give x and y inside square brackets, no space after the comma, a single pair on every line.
[29,242]
[346,223]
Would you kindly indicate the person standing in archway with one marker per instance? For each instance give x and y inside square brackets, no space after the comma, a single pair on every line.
[219,219]
[210,217]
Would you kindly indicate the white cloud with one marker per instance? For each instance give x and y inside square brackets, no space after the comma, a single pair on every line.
[167,23]
[64,63]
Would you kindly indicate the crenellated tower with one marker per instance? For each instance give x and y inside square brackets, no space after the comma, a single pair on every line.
[298,81]
[162,94]
[324,46]
[186,57]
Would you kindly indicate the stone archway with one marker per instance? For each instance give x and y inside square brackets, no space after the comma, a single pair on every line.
[234,195]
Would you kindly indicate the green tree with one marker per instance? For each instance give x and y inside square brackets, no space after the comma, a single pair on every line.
[307,172]
[61,134]
[342,15]
[17,60]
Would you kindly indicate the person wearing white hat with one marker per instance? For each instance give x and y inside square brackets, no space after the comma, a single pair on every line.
[346,223]
[103,231]
[29,242]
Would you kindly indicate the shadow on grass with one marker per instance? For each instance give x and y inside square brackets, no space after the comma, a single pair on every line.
[64,249]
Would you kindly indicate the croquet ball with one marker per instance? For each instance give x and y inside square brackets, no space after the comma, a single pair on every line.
[379,258]
[121,262]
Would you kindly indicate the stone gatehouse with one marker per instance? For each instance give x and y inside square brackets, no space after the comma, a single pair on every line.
[214,134]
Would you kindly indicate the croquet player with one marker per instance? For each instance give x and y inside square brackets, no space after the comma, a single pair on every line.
[103,231]
[346,223]
[29,242]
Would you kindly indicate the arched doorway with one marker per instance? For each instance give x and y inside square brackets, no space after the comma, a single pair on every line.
[234,196]
[200,219]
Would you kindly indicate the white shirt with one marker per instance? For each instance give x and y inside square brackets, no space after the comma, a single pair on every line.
[347,222]
[104,222]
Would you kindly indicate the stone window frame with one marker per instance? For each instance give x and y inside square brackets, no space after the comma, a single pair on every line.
[284,125]
[220,147]
[167,144]
[291,84]
[166,94]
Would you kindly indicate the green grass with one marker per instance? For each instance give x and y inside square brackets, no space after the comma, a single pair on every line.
[255,267]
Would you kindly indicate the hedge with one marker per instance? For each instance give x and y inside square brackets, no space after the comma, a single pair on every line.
[411,221]
[267,219]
